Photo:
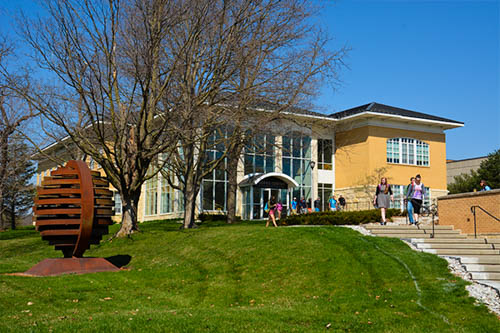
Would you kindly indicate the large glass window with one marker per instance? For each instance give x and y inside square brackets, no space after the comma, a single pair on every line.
[118,204]
[324,193]
[151,196]
[214,185]
[325,153]
[407,151]
[167,197]
[399,196]
[259,155]
[296,162]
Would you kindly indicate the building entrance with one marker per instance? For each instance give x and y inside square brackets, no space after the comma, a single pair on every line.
[258,189]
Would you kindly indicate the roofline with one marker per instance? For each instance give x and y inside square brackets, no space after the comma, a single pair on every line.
[467,159]
[437,122]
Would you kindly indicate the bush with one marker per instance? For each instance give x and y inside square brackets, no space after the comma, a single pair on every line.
[339,217]
[207,217]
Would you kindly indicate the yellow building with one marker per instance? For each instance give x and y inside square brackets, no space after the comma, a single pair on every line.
[375,140]
[311,155]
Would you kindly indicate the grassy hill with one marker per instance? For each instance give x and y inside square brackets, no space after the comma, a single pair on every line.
[242,277]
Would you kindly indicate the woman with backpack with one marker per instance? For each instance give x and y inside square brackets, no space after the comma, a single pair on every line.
[270,208]
[382,197]
[416,195]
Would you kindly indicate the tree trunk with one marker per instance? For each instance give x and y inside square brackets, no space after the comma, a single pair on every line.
[13,215]
[4,147]
[190,194]
[232,186]
[129,215]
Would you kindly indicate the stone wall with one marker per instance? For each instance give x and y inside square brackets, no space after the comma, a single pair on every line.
[455,210]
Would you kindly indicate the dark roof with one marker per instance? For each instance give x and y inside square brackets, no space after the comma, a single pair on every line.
[386,109]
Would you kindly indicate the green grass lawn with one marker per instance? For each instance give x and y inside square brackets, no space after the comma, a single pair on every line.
[241,277]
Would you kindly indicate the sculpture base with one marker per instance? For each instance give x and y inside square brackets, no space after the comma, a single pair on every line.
[51,267]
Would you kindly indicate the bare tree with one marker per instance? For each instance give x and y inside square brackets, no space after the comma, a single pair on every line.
[13,115]
[108,74]
[245,63]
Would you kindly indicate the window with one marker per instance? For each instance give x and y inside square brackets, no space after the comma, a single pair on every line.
[166,197]
[399,192]
[151,196]
[407,151]
[214,185]
[296,163]
[259,155]
[324,193]
[325,152]
[118,204]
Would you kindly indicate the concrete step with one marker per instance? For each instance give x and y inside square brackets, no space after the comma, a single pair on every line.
[448,241]
[415,231]
[411,236]
[454,246]
[483,268]
[487,259]
[486,276]
[460,252]
[404,226]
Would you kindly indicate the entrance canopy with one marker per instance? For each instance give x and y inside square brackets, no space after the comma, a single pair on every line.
[269,180]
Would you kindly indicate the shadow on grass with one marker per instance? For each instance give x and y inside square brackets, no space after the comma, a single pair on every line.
[119,260]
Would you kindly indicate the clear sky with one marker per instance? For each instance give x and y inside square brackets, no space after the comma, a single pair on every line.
[439,57]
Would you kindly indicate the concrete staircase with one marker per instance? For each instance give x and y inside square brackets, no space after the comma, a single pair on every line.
[480,257]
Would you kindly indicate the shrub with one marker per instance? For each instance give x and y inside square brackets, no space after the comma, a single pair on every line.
[207,217]
[339,217]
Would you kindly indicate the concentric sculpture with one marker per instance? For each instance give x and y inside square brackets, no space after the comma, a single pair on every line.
[73,210]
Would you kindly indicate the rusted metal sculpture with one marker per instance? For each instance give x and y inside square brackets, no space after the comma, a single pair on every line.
[73,210]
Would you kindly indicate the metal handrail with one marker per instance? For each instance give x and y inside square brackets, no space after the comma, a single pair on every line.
[473,211]
[432,209]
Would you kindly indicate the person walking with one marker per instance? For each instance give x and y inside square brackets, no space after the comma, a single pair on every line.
[409,206]
[279,208]
[317,204]
[342,203]
[333,203]
[293,206]
[271,206]
[417,195]
[302,206]
[382,196]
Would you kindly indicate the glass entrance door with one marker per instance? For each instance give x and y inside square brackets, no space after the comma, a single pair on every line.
[266,195]
[256,199]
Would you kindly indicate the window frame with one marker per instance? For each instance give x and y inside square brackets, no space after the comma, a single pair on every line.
[322,165]
[408,151]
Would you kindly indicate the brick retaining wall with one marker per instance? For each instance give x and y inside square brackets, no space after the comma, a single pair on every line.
[455,210]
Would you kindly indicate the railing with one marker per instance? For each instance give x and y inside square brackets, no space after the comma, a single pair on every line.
[428,210]
[473,211]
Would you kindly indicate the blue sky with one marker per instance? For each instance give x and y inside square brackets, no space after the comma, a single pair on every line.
[439,57]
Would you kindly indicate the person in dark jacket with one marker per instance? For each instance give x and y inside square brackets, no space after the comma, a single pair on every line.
[409,206]
[342,202]
[317,204]
[303,206]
